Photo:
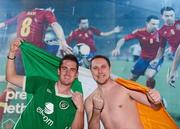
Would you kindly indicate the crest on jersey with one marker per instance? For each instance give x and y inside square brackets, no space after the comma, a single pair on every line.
[165,32]
[86,35]
[63,105]
[151,41]
[172,31]
[80,35]
[90,32]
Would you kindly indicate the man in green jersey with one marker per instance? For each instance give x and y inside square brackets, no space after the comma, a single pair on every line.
[54,104]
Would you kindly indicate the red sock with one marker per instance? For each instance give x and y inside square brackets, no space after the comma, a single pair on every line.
[150,83]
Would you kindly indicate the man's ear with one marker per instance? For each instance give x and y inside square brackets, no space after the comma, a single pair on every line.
[162,16]
[77,74]
[110,69]
[58,71]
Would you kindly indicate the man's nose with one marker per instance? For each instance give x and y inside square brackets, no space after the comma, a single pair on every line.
[67,71]
[100,70]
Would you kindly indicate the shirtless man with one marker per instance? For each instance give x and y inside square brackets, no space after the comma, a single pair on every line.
[112,103]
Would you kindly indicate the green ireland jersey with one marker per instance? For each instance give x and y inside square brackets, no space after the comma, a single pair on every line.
[47,109]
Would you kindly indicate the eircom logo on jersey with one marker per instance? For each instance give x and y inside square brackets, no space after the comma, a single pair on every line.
[14,108]
[49,109]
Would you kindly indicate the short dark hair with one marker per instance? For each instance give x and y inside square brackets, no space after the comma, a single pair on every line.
[167,8]
[102,57]
[150,17]
[81,18]
[70,57]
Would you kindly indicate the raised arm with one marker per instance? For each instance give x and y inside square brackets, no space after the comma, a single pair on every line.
[60,35]
[11,75]
[117,29]
[78,122]
[160,53]
[93,107]
[151,99]
[7,22]
[120,43]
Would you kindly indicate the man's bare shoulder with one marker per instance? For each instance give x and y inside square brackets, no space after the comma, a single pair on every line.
[119,85]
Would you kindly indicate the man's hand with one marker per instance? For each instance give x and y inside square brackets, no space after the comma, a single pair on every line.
[64,49]
[171,77]
[117,29]
[77,99]
[154,96]
[116,52]
[67,49]
[15,46]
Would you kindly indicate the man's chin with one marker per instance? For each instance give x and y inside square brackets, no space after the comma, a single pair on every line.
[102,82]
[84,28]
[66,83]
[171,22]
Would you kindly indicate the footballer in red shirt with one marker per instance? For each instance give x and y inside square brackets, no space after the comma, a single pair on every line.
[31,25]
[85,34]
[33,22]
[170,32]
[149,40]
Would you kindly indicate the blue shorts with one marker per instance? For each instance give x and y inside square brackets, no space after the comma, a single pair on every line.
[142,64]
[51,49]
[158,66]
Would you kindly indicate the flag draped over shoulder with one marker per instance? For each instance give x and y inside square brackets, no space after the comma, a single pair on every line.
[37,62]
[150,118]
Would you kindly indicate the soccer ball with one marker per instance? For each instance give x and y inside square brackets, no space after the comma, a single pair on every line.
[81,50]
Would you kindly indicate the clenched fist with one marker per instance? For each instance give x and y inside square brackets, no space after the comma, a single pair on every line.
[77,99]
[98,102]
[154,96]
